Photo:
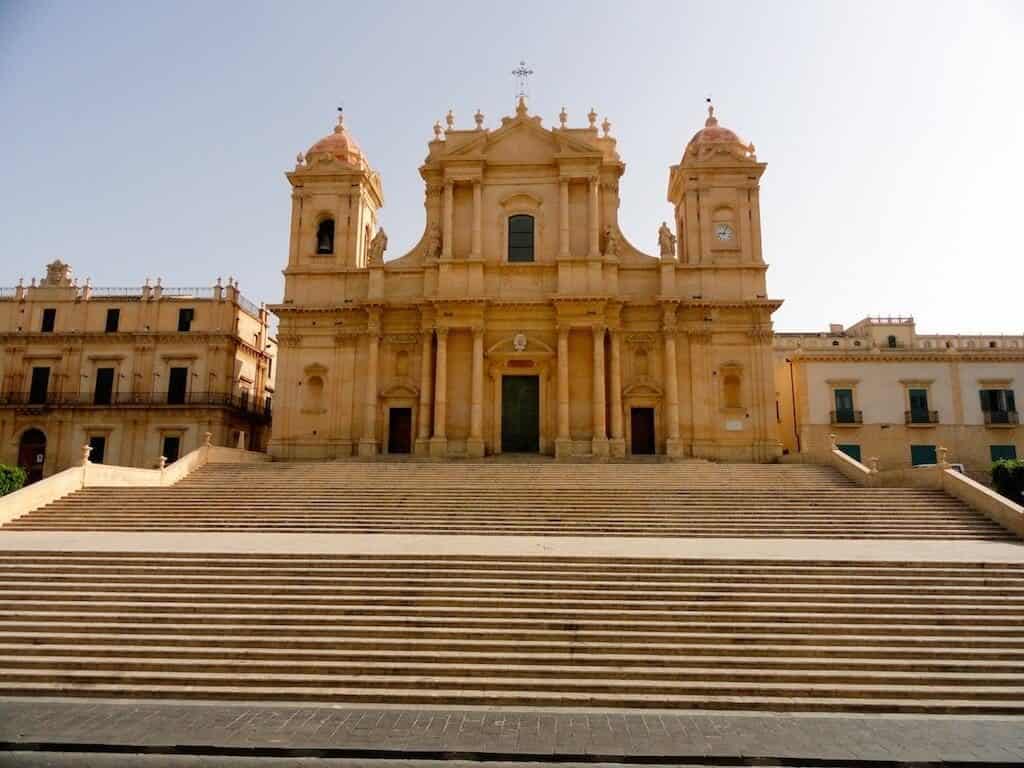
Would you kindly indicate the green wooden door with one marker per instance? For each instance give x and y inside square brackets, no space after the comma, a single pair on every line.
[520,414]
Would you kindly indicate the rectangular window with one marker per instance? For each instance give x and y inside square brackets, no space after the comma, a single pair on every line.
[1003,452]
[185,318]
[40,385]
[853,451]
[844,400]
[998,405]
[99,448]
[923,454]
[113,320]
[49,320]
[104,393]
[177,386]
[520,238]
[172,448]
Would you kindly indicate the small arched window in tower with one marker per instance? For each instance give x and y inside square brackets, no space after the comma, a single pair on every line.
[892,342]
[731,388]
[520,238]
[325,236]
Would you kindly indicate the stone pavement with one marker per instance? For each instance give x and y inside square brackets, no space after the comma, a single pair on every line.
[406,736]
[864,550]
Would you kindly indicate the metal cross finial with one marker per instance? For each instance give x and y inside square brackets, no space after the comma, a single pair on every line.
[522,75]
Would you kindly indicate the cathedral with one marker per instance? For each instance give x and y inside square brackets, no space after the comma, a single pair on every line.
[524,321]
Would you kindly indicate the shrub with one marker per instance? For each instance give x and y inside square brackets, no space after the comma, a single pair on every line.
[11,479]
[1008,479]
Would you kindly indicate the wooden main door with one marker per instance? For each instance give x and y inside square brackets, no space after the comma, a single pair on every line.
[520,414]
[400,430]
[32,454]
[641,431]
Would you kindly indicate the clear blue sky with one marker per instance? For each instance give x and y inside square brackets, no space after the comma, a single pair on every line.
[151,139]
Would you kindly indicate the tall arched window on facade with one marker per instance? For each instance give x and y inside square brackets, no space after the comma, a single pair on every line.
[325,236]
[520,238]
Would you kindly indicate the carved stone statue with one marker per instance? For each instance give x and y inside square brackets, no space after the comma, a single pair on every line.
[434,242]
[666,242]
[611,243]
[377,247]
[58,274]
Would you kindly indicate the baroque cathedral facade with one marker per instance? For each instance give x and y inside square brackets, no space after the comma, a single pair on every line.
[523,320]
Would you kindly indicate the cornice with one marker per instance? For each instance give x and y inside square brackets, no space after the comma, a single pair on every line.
[936,356]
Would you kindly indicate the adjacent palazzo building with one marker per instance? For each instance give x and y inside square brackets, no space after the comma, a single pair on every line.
[524,320]
[134,373]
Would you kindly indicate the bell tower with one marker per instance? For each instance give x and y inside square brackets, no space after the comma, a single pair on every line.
[714,190]
[335,198]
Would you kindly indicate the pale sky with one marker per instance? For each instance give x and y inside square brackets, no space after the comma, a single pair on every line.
[151,139]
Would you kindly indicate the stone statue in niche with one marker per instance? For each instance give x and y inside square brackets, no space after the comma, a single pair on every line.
[666,242]
[519,342]
[611,243]
[377,247]
[434,242]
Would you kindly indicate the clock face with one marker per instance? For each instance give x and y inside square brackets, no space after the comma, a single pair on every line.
[723,232]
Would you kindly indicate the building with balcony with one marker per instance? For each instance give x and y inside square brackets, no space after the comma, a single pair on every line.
[135,373]
[887,391]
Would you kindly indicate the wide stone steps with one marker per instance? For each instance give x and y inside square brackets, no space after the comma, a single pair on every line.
[511,631]
[691,499]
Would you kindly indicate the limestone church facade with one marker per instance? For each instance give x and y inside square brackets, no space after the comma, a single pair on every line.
[523,320]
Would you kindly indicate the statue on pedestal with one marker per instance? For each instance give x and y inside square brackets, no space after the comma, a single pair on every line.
[666,242]
[377,247]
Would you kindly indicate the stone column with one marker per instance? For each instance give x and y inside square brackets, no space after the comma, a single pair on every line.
[449,217]
[368,443]
[600,439]
[618,441]
[426,381]
[563,219]
[439,442]
[478,214]
[475,445]
[592,220]
[673,446]
[563,441]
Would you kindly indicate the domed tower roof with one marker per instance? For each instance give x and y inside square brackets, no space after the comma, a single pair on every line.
[713,134]
[339,145]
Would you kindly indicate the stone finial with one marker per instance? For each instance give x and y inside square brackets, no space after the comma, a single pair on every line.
[449,120]
[592,117]
[832,440]
[162,464]
[207,439]
[873,464]
[299,160]
[438,130]
[159,282]
[606,127]
[521,106]
[479,119]
[563,118]
[86,450]
[942,454]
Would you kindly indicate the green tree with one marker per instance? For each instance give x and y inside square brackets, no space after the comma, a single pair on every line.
[11,479]
[1008,479]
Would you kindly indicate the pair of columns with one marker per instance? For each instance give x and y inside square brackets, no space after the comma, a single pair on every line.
[448,219]
[599,442]
[436,388]
[593,216]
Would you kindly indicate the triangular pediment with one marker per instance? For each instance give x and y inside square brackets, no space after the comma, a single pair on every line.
[523,140]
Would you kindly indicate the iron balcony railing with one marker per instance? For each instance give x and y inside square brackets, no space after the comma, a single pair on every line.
[1002,417]
[847,417]
[922,416]
[249,405]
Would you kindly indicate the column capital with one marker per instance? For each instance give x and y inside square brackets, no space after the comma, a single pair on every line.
[477,329]
[442,332]
[599,328]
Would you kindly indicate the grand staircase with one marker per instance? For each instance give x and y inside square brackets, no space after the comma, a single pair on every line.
[800,636]
[509,627]
[695,499]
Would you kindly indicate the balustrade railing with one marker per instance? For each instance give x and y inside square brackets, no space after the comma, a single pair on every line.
[247,404]
[846,417]
[921,417]
[1002,417]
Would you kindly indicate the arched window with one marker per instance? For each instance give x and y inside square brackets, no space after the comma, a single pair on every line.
[325,236]
[520,238]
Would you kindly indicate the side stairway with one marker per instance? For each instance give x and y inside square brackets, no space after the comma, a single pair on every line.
[691,499]
[516,631]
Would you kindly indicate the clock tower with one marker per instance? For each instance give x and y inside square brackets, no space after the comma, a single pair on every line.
[715,193]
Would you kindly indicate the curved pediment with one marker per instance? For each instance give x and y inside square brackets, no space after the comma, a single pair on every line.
[402,389]
[642,387]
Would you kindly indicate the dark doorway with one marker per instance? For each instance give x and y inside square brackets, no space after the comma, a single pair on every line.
[32,454]
[99,449]
[40,385]
[520,414]
[104,386]
[177,386]
[400,430]
[172,447]
[641,431]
